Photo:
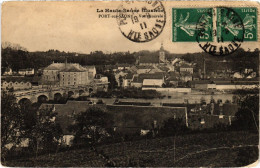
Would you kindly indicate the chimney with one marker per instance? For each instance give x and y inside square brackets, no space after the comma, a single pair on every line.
[204,68]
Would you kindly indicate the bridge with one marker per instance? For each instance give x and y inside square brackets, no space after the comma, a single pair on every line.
[46,94]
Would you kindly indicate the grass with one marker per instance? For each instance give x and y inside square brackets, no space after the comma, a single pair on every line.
[226,149]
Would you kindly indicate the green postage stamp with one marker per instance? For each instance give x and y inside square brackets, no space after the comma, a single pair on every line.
[185,24]
[220,24]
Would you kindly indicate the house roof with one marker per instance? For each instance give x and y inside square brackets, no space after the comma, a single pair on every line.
[18,79]
[66,111]
[73,69]
[137,80]
[144,67]
[141,77]
[185,66]
[163,68]
[27,69]
[129,76]
[69,67]
[185,73]
[89,67]
[149,59]
[123,65]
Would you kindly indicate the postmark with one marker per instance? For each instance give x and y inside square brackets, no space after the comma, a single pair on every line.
[219,31]
[141,21]
[228,32]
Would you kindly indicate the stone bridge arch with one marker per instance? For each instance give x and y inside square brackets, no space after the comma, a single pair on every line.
[57,96]
[81,92]
[42,97]
[71,93]
[24,100]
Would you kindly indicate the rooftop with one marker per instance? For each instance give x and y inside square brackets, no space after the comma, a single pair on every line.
[72,67]
[18,79]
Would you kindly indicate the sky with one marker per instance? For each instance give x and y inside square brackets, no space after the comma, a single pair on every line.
[75,27]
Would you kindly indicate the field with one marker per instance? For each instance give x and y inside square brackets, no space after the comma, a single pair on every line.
[212,149]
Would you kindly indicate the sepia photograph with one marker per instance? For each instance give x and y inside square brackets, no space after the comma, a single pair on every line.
[130,83]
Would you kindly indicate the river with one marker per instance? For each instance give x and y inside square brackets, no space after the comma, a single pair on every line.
[175,98]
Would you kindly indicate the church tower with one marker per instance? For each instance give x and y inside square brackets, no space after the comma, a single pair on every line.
[162,54]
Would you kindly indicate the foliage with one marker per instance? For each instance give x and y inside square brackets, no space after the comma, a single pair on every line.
[112,80]
[92,126]
[248,113]
[19,58]
[173,126]
[237,61]
[46,132]
[11,120]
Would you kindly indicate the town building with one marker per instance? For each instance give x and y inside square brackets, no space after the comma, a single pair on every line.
[68,74]
[157,80]
[16,83]
[28,71]
[8,71]
[101,78]
[144,69]
[119,75]
[127,80]
[186,68]
[153,82]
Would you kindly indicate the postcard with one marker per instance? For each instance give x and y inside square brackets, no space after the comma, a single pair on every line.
[130,83]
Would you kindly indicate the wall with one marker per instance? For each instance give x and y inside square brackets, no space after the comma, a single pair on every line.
[16,85]
[231,87]
[169,89]
[137,85]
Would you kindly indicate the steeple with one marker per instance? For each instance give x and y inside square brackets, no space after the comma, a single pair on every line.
[162,54]
[162,49]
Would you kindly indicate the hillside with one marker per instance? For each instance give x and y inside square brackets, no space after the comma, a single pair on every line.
[211,149]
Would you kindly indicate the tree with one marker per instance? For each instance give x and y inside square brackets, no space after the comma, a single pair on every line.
[248,113]
[92,126]
[11,121]
[46,133]
[173,126]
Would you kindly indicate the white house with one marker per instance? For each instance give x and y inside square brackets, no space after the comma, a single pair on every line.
[153,82]
[8,71]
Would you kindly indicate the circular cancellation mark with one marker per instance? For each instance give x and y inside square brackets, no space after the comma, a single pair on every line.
[141,21]
[229,32]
